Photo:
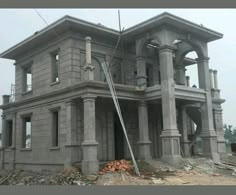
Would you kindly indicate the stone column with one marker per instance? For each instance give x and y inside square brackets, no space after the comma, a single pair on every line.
[3,141]
[208,133]
[220,131]
[90,164]
[211,78]
[216,88]
[13,147]
[70,155]
[170,135]
[185,141]
[4,133]
[180,75]
[141,71]
[187,81]
[215,79]
[88,68]
[144,142]
[211,83]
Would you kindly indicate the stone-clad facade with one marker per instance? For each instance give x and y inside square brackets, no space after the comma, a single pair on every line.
[63,112]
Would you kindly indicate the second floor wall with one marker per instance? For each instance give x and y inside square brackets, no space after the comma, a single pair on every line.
[59,64]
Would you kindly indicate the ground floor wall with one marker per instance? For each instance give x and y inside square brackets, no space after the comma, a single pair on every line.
[42,154]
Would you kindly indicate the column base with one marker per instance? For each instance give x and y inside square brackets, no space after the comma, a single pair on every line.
[221,143]
[171,146]
[171,159]
[144,150]
[90,164]
[209,145]
[186,148]
[221,147]
[90,167]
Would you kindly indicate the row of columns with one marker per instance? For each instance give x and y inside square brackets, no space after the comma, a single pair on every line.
[170,134]
[90,163]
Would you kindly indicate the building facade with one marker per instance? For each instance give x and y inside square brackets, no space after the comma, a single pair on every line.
[62,112]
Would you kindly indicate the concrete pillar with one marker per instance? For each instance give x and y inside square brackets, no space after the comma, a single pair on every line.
[170,135]
[3,141]
[71,151]
[185,141]
[180,75]
[220,131]
[13,147]
[215,79]
[141,71]
[88,68]
[208,133]
[90,164]
[216,88]
[6,99]
[187,81]
[211,79]
[144,141]
[4,131]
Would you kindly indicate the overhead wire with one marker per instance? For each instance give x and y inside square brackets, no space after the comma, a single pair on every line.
[58,37]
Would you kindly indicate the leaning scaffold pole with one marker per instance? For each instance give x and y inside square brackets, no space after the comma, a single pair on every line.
[116,102]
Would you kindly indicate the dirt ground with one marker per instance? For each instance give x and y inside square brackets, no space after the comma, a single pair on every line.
[191,171]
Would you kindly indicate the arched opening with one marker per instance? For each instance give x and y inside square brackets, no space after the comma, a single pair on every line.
[149,50]
[192,70]
[187,73]
[98,72]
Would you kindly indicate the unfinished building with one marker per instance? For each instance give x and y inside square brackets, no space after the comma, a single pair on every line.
[62,111]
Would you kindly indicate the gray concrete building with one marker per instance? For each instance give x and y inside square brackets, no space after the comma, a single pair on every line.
[62,112]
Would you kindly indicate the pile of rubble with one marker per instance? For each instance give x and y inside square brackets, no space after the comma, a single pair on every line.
[66,177]
[116,166]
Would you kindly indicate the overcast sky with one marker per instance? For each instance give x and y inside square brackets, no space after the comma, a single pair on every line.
[18,24]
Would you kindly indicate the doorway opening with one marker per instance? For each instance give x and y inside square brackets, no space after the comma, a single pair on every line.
[119,138]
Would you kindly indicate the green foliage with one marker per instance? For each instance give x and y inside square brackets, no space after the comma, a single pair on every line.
[230,134]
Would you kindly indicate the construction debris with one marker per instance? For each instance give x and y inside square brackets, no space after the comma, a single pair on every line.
[121,172]
[66,177]
[116,165]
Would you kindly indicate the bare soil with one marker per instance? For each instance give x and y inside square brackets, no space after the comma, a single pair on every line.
[192,171]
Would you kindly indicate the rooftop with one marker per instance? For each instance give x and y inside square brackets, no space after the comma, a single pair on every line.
[68,22]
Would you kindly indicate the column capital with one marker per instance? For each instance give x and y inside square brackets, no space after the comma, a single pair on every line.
[214,71]
[142,103]
[166,48]
[88,97]
[88,39]
[202,59]
[210,70]
[88,67]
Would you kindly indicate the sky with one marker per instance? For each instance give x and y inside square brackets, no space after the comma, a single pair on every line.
[18,24]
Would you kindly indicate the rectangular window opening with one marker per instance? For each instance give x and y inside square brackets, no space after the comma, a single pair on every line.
[55,129]
[27,79]
[27,128]
[55,67]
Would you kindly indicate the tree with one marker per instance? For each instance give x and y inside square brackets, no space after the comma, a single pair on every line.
[230,134]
